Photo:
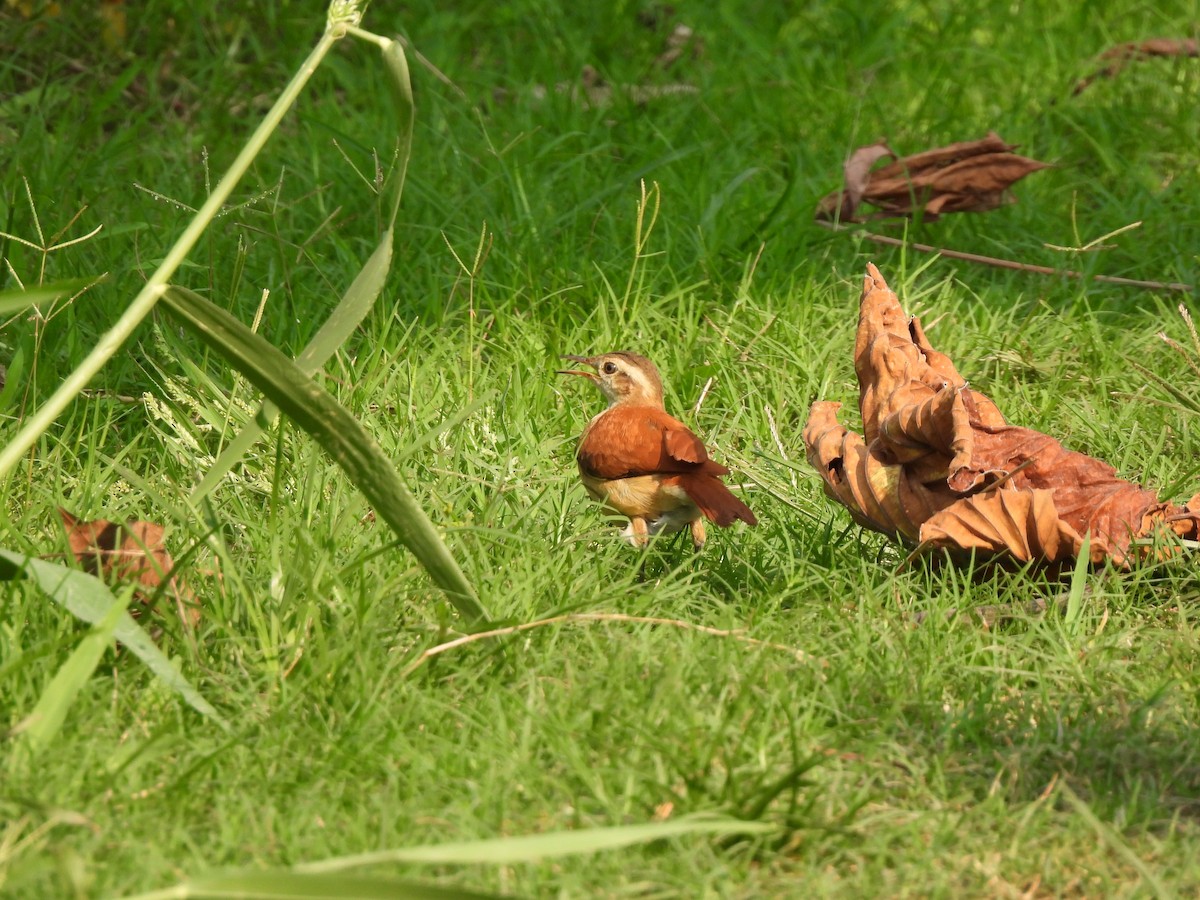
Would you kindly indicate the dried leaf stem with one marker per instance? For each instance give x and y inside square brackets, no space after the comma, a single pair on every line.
[575,618]
[998,263]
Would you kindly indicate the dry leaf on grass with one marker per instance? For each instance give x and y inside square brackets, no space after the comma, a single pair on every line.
[971,176]
[1116,57]
[597,92]
[591,91]
[937,465]
[682,40]
[130,551]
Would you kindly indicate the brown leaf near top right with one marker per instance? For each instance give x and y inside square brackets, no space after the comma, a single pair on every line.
[968,176]
[1115,58]
[938,467]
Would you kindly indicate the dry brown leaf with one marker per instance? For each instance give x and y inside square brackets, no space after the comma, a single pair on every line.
[1025,524]
[130,551]
[856,175]
[970,176]
[1119,55]
[939,466]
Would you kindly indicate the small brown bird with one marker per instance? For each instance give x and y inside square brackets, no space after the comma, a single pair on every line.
[643,463]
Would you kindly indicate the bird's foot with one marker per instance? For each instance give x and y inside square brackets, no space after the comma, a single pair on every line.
[637,532]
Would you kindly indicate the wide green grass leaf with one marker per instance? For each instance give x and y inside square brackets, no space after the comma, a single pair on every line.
[401,87]
[1079,580]
[89,599]
[528,848]
[281,885]
[349,444]
[346,316]
[327,878]
[12,302]
[56,700]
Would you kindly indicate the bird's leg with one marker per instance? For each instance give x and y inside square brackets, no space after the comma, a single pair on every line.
[698,534]
[640,532]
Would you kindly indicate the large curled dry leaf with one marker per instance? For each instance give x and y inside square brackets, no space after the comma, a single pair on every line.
[1115,58]
[937,466]
[133,552]
[970,176]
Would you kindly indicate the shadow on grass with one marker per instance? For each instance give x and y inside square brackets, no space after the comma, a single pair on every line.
[1025,692]
[1134,760]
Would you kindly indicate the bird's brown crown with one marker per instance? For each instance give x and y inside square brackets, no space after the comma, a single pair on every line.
[625,379]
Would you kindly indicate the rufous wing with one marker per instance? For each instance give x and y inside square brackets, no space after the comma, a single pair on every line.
[681,444]
[628,441]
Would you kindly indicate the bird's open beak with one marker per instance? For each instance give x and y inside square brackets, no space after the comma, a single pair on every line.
[590,376]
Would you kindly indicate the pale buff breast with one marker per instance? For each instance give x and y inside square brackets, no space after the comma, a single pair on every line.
[642,495]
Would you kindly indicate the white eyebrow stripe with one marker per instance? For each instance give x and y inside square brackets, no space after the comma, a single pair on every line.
[636,374]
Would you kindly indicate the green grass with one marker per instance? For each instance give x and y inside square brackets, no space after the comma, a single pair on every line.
[1056,754]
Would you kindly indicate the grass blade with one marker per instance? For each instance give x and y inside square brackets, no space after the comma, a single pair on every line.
[346,316]
[1188,401]
[89,599]
[351,310]
[277,885]
[1078,582]
[341,435]
[528,848]
[401,87]
[327,878]
[55,701]
[12,302]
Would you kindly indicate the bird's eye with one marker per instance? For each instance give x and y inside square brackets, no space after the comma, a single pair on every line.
[609,368]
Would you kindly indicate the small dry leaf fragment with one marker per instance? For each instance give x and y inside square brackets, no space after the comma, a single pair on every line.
[856,174]
[938,466]
[969,176]
[593,92]
[1116,57]
[130,551]
[682,40]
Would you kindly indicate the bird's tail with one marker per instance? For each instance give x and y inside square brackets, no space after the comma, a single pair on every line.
[715,500]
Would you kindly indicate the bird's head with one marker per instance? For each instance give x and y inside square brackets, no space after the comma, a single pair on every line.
[623,378]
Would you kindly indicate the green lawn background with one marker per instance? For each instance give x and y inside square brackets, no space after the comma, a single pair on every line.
[1054,755]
